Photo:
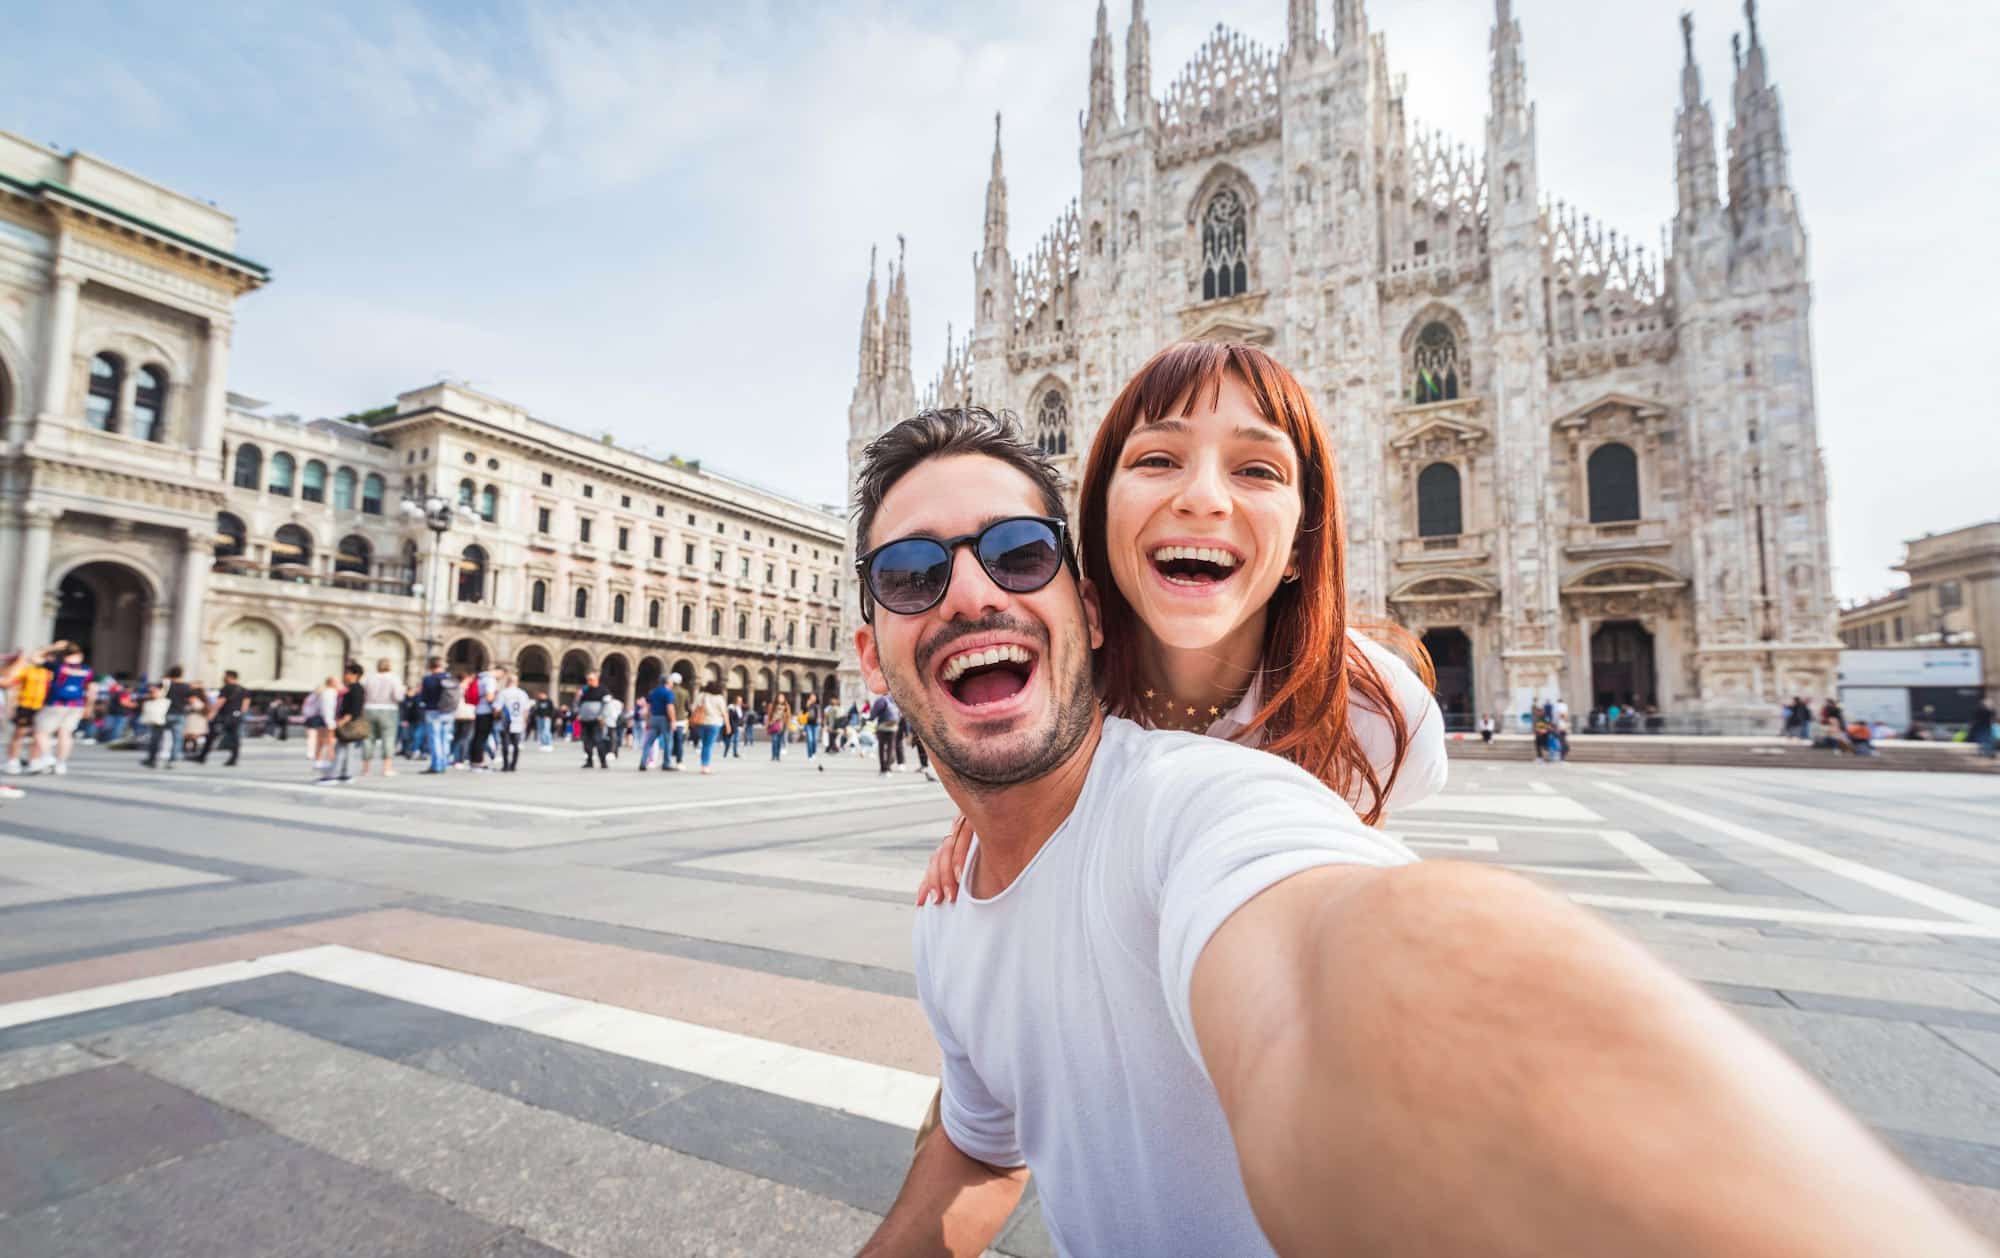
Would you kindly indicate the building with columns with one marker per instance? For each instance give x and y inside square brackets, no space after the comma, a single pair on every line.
[1574,466]
[159,519]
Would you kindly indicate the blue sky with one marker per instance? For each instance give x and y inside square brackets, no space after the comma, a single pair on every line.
[655,219]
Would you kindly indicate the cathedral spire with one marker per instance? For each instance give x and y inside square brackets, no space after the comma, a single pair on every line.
[1757,161]
[1694,138]
[1510,75]
[1302,29]
[996,198]
[1350,24]
[1138,68]
[871,328]
[1103,115]
[899,392]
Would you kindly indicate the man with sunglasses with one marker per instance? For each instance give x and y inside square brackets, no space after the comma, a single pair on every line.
[1215,1014]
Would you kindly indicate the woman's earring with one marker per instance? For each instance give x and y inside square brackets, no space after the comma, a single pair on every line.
[1291,575]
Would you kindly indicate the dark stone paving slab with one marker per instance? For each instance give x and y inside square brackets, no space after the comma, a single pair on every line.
[257,1195]
[597,1087]
[362,1020]
[66,1135]
[1962,1161]
[867,978]
[855,1160]
[1739,994]
[676,869]
[238,870]
[1894,1011]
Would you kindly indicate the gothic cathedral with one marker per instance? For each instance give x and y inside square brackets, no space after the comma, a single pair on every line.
[1576,469]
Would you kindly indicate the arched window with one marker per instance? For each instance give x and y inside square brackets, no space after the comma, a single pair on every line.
[371,495]
[354,555]
[283,467]
[617,609]
[343,489]
[489,504]
[249,466]
[687,617]
[538,596]
[230,536]
[770,630]
[107,380]
[653,614]
[472,574]
[1613,471]
[715,622]
[792,633]
[582,604]
[466,492]
[812,636]
[291,552]
[149,399]
[743,624]
[1225,246]
[1440,511]
[1052,423]
[1435,364]
[312,482]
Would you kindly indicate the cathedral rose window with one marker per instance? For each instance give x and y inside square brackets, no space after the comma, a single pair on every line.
[1225,240]
[1052,423]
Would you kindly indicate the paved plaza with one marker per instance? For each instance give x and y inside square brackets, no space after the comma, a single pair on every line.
[617,1013]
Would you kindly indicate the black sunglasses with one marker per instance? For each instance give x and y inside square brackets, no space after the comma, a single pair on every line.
[910,575]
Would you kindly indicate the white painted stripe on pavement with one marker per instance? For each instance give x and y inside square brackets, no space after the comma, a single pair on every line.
[1797,917]
[1526,807]
[1452,842]
[825,869]
[1661,866]
[86,999]
[882,1093]
[1934,898]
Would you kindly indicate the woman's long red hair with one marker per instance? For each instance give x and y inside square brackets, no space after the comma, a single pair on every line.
[1311,669]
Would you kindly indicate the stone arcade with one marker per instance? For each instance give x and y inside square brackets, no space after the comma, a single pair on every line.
[1575,467]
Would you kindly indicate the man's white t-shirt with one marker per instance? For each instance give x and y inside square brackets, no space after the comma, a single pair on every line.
[1062,1003]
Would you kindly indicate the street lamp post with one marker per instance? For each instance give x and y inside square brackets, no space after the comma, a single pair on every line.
[437,513]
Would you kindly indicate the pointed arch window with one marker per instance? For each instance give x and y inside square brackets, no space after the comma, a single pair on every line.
[1225,246]
[1435,365]
[1052,423]
[1440,507]
[1613,473]
[149,400]
[343,489]
[107,381]
[472,574]
[283,468]
[249,466]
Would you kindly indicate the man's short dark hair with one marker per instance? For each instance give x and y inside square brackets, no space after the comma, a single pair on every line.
[942,433]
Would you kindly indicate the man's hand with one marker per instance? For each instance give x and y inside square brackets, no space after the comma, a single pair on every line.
[1438,1060]
[949,1204]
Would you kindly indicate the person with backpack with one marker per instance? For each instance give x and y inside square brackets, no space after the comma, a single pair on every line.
[888,720]
[440,695]
[589,715]
[72,690]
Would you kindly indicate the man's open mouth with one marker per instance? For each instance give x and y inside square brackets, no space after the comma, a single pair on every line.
[1195,566]
[981,676]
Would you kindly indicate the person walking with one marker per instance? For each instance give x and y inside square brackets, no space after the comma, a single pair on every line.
[545,721]
[610,727]
[167,730]
[278,719]
[71,692]
[225,724]
[194,728]
[710,717]
[660,714]
[888,720]
[322,710]
[733,731]
[348,726]
[677,733]
[27,680]
[812,726]
[440,704]
[589,712]
[510,720]
[464,718]
[382,698]
[153,721]
[1982,731]
[775,721]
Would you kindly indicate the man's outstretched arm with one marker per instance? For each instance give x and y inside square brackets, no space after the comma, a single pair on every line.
[949,1204]
[1441,1060]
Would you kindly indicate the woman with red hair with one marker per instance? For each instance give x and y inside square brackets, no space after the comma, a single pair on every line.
[1212,530]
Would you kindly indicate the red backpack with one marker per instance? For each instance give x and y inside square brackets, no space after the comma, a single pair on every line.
[472,688]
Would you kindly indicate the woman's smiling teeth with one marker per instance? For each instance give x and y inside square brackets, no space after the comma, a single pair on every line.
[1194,565]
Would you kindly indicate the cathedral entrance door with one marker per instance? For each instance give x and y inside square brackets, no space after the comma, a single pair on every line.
[1451,657]
[1621,664]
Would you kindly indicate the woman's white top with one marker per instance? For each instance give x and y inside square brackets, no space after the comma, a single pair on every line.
[1424,766]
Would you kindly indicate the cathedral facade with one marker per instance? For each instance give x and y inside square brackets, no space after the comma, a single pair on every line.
[1576,468]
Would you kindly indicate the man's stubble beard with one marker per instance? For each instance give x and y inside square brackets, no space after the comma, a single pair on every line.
[1073,709]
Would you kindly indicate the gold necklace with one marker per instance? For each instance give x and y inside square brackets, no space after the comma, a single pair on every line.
[1163,711]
